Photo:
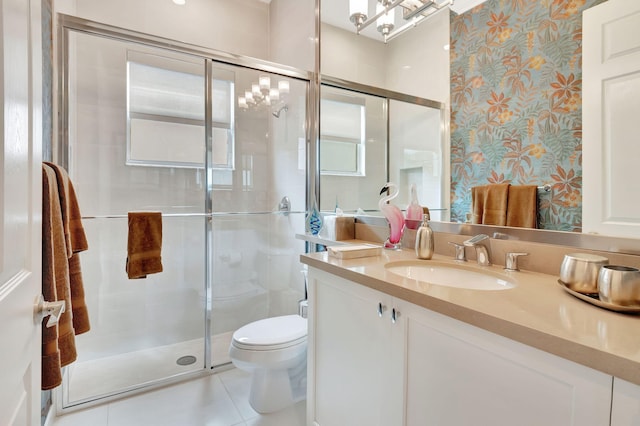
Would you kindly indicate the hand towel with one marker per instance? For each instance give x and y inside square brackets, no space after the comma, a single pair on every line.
[522,206]
[495,204]
[477,203]
[58,342]
[144,244]
[76,242]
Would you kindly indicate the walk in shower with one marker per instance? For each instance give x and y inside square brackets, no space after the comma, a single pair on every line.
[215,143]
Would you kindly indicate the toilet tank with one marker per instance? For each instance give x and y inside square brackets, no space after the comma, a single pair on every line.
[274,268]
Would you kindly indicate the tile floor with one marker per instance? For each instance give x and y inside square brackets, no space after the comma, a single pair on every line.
[220,399]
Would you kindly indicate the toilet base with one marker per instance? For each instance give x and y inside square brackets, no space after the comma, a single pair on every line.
[270,390]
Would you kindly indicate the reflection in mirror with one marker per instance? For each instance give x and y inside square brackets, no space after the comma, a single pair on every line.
[416,158]
[354,130]
[353,149]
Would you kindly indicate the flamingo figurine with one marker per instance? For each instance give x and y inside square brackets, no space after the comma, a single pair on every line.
[393,215]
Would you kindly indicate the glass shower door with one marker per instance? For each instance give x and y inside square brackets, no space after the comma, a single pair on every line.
[257,199]
[220,151]
[136,143]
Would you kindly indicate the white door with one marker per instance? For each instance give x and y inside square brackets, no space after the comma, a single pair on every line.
[20,210]
[611,101]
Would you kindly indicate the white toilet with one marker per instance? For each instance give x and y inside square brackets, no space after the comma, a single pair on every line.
[274,351]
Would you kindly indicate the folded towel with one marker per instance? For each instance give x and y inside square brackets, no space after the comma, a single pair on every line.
[495,204]
[144,244]
[477,203]
[522,206]
[76,241]
[489,204]
[58,342]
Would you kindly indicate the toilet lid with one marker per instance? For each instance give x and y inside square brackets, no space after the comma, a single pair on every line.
[271,333]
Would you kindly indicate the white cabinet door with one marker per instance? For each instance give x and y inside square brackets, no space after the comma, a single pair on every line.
[461,375]
[351,372]
[625,408]
[611,101]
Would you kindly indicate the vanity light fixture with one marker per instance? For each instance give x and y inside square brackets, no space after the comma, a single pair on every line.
[413,13]
[180,2]
[262,95]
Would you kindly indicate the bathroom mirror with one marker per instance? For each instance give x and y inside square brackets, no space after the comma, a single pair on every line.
[357,123]
[364,62]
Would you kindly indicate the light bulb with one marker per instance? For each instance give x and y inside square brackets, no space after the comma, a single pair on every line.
[274,94]
[358,11]
[384,23]
[265,82]
[283,87]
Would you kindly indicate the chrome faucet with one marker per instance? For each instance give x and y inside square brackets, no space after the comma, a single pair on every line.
[483,252]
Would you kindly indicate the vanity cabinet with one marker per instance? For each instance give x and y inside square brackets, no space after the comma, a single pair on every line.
[356,380]
[429,369]
[625,407]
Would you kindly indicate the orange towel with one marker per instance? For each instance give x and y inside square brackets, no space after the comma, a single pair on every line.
[58,342]
[144,244]
[76,242]
[522,206]
[477,203]
[489,204]
[495,204]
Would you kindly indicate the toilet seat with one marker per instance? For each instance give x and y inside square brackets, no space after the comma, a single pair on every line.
[271,333]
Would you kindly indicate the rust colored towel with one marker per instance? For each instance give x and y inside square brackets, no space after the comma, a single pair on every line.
[489,204]
[495,204]
[144,244]
[76,241]
[477,203]
[58,342]
[522,206]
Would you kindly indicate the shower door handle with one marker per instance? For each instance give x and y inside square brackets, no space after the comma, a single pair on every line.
[53,310]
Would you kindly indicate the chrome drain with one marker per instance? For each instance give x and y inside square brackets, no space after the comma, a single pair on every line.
[186,360]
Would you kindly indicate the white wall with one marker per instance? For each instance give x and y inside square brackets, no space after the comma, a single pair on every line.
[281,32]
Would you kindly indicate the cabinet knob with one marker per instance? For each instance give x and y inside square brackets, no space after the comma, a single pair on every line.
[381,309]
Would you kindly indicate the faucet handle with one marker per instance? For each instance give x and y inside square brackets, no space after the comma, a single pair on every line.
[511,261]
[460,253]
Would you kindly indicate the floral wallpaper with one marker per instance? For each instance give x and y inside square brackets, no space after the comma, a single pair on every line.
[516,103]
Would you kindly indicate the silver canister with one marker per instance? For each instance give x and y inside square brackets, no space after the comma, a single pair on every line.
[619,285]
[424,239]
[579,271]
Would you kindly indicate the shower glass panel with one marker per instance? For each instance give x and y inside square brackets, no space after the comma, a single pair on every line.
[142,330]
[136,141]
[256,273]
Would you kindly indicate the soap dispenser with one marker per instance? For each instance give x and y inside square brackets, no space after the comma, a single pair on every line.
[424,239]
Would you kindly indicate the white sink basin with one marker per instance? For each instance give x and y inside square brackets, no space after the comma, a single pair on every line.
[431,272]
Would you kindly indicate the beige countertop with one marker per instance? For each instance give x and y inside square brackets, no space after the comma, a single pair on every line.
[537,311]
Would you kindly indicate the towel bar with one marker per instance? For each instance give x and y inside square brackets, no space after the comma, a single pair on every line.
[546,188]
